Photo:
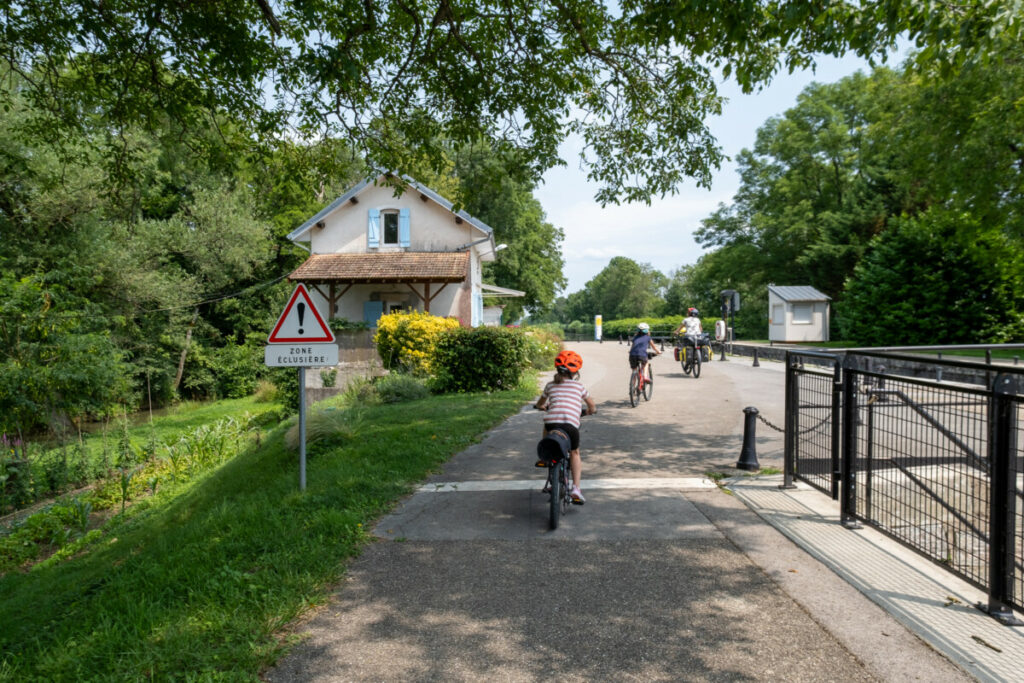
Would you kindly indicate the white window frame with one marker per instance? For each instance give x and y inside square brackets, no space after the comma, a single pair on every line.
[799,310]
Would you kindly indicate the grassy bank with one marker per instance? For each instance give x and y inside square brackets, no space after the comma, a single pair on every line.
[56,467]
[200,580]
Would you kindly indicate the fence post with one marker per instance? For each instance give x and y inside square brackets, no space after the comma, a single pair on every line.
[789,452]
[847,470]
[1002,500]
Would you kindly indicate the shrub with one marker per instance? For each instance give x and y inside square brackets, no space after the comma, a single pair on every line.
[360,390]
[265,392]
[554,329]
[398,388]
[962,286]
[286,383]
[406,340]
[345,325]
[479,359]
[329,377]
[541,347]
[332,425]
[237,368]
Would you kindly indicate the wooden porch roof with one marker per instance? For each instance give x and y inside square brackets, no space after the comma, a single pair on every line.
[381,268]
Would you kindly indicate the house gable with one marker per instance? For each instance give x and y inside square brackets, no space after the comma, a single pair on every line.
[425,222]
[373,253]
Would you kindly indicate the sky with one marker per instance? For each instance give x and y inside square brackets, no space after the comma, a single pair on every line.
[662,234]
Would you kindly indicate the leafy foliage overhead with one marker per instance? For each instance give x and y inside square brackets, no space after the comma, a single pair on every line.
[399,78]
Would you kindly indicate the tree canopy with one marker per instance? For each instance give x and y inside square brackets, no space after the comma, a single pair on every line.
[861,169]
[635,81]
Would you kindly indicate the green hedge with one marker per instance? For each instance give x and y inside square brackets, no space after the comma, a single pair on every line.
[479,359]
[626,327]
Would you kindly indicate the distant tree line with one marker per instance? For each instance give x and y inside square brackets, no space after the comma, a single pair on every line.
[899,193]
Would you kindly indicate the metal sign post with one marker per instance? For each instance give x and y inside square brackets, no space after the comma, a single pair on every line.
[300,341]
[302,429]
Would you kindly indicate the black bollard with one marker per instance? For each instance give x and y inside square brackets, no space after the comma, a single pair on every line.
[756,364]
[748,454]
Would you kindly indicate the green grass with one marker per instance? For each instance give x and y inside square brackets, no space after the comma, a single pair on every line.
[200,580]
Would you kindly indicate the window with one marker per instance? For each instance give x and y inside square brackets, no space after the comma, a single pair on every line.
[778,314]
[802,314]
[390,220]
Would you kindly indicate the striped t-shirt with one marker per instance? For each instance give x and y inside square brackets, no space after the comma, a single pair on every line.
[565,402]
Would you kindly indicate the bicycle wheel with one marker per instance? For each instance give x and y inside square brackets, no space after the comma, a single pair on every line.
[556,493]
[634,390]
[696,364]
[687,361]
[649,384]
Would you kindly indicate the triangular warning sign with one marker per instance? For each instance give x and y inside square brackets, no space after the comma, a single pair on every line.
[300,322]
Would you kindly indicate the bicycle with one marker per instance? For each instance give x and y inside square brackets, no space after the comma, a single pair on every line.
[691,359]
[641,383]
[553,453]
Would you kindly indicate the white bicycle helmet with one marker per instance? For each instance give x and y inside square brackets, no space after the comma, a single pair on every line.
[643,327]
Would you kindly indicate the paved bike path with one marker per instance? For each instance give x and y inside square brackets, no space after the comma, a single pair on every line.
[648,581]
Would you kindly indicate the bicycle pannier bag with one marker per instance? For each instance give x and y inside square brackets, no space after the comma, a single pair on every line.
[553,447]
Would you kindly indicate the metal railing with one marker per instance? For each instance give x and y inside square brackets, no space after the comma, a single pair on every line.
[935,464]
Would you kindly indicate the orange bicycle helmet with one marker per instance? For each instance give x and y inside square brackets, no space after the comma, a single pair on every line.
[569,361]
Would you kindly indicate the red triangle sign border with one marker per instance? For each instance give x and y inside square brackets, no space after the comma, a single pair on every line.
[321,335]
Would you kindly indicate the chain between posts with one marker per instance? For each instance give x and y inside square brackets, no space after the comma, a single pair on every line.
[780,429]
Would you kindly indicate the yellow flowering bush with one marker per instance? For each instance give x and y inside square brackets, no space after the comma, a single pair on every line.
[406,340]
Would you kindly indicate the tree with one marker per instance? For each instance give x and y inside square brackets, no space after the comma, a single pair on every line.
[938,278]
[815,188]
[634,80]
[623,289]
[532,261]
[57,363]
[834,172]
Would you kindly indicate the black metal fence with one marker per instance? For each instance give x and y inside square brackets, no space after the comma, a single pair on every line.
[935,464]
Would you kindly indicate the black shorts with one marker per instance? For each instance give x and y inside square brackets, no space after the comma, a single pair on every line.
[635,361]
[572,432]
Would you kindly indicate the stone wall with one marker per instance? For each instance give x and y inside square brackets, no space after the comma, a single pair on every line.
[357,359]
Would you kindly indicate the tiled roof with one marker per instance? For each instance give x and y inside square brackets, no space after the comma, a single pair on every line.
[387,267]
[798,293]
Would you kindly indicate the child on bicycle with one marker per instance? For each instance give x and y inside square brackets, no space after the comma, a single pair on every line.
[642,348]
[563,398]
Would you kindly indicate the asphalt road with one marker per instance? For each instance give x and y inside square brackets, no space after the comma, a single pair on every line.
[660,576]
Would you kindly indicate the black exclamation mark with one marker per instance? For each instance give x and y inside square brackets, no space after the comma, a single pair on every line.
[302,314]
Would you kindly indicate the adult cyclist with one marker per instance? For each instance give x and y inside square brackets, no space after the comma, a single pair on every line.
[563,398]
[690,328]
[642,348]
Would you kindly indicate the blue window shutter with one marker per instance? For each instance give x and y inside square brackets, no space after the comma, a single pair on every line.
[478,310]
[403,228]
[373,229]
[372,311]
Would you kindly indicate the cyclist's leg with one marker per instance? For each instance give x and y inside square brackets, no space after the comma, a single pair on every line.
[576,467]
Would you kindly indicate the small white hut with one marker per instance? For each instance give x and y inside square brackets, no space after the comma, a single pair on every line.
[797,314]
